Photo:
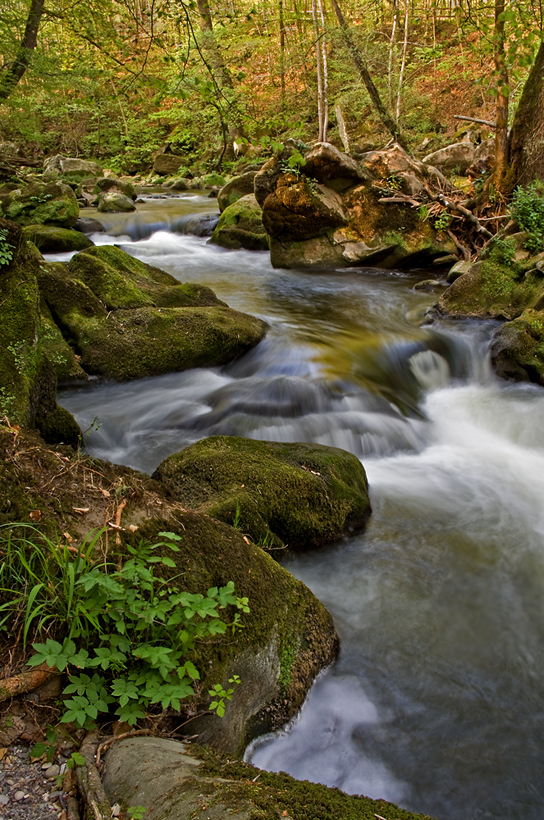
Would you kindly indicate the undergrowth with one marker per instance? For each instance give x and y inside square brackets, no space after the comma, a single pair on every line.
[127,627]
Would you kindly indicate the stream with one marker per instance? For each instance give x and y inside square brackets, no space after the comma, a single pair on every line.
[436,701]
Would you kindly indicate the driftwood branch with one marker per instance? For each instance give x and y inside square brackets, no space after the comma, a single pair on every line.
[469,216]
[88,780]
[475,119]
[25,682]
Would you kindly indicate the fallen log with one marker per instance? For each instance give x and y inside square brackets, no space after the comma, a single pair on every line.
[25,682]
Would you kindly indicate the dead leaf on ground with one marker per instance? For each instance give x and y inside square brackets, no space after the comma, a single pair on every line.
[81,510]
[35,515]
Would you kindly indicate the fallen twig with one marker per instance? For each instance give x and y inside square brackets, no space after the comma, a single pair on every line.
[25,682]
[475,119]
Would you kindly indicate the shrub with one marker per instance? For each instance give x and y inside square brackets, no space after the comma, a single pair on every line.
[130,629]
[528,211]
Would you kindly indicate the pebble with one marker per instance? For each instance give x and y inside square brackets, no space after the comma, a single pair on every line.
[25,789]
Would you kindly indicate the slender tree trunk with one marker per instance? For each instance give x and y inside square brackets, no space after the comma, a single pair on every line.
[526,141]
[403,62]
[282,52]
[13,73]
[358,59]
[320,120]
[501,130]
[210,46]
[392,42]
[325,73]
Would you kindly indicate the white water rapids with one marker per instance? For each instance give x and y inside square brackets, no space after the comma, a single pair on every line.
[437,698]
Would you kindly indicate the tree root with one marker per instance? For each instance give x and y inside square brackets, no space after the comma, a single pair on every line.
[25,682]
[89,783]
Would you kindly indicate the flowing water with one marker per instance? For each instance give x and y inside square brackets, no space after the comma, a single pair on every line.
[437,698]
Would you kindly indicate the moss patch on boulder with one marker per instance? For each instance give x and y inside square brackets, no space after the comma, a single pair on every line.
[494,290]
[241,226]
[235,189]
[298,495]
[37,204]
[52,239]
[517,349]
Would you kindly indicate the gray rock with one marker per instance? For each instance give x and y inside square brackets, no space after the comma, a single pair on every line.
[459,156]
[115,202]
[88,225]
[202,225]
[73,167]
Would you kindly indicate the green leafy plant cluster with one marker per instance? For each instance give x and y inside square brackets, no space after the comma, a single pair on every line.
[6,250]
[528,211]
[128,628]
[502,251]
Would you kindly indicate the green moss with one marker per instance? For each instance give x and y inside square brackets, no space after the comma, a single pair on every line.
[275,795]
[121,281]
[304,495]
[57,349]
[241,226]
[52,203]
[52,239]
[21,351]
[493,290]
[517,349]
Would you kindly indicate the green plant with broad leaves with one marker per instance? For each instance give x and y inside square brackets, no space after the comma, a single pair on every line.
[528,211]
[6,249]
[122,634]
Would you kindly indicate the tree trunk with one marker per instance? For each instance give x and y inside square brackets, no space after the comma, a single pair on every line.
[358,59]
[210,46]
[325,73]
[320,137]
[14,71]
[501,132]
[526,142]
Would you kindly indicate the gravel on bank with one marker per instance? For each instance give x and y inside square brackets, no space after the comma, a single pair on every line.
[28,791]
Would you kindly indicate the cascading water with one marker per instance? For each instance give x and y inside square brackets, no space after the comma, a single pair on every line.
[436,699]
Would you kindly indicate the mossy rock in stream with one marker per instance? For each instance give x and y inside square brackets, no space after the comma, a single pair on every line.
[121,281]
[494,289]
[287,636]
[28,382]
[241,226]
[297,495]
[36,204]
[127,320]
[171,779]
[52,239]
[517,349]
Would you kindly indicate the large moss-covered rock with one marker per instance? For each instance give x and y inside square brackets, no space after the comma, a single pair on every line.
[241,226]
[298,495]
[27,379]
[288,636]
[73,167]
[494,289]
[128,320]
[113,202]
[37,204]
[517,349]
[235,190]
[332,212]
[176,780]
[52,239]
[121,281]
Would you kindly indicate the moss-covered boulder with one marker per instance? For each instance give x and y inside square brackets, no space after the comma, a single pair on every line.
[297,495]
[494,289]
[517,349]
[27,380]
[235,190]
[113,202]
[241,226]
[332,212]
[170,779]
[121,281]
[39,204]
[128,320]
[52,239]
[288,636]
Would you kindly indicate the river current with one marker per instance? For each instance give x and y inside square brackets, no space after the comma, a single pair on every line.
[436,701]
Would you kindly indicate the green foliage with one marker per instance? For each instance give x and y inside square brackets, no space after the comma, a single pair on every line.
[128,627]
[136,812]
[6,250]
[442,221]
[502,251]
[221,695]
[528,211]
